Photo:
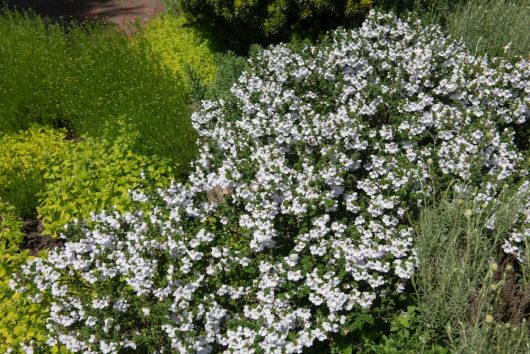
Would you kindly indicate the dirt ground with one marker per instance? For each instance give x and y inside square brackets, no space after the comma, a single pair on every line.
[123,13]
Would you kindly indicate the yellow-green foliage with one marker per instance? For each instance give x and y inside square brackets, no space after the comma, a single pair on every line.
[20,320]
[69,179]
[179,46]
[95,175]
[86,77]
[61,179]
[24,158]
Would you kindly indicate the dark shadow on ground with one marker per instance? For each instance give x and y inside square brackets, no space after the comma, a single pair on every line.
[79,10]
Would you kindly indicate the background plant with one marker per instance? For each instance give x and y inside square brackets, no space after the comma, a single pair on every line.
[87,78]
[237,25]
[473,296]
[495,27]
[181,47]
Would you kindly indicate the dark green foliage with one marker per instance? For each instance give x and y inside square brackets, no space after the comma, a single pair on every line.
[487,26]
[84,80]
[229,67]
[237,24]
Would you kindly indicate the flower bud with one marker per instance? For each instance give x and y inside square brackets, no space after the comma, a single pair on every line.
[494,266]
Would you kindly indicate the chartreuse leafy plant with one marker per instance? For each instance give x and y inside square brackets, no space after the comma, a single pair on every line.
[181,47]
[296,220]
[21,321]
[96,174]
[24,159]
[87,77]
[58,180]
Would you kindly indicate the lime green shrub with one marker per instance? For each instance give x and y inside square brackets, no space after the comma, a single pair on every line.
[96,175]
[62,180]
[24,159]
[21,321]
[85,79]
[181,47]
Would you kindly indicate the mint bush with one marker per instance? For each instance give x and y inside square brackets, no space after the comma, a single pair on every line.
[296,217]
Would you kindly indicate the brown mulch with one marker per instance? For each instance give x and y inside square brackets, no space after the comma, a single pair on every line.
[34,240]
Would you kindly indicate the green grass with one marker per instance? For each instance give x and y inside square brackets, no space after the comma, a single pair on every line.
[91,81]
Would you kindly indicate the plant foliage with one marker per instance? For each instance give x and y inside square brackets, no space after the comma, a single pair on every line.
[240,23]
[474,281]
[63,180]
[181,47]
[84,80]
[24,159]
[494,27]
[21,321]
[96,175]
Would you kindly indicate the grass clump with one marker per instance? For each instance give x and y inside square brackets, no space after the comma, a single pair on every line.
[472,295]
[84,80]
[495,27]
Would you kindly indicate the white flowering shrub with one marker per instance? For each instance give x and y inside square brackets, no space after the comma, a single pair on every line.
[296,216]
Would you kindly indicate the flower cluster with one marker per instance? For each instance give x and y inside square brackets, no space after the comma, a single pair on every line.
[518,241]
[296,216]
